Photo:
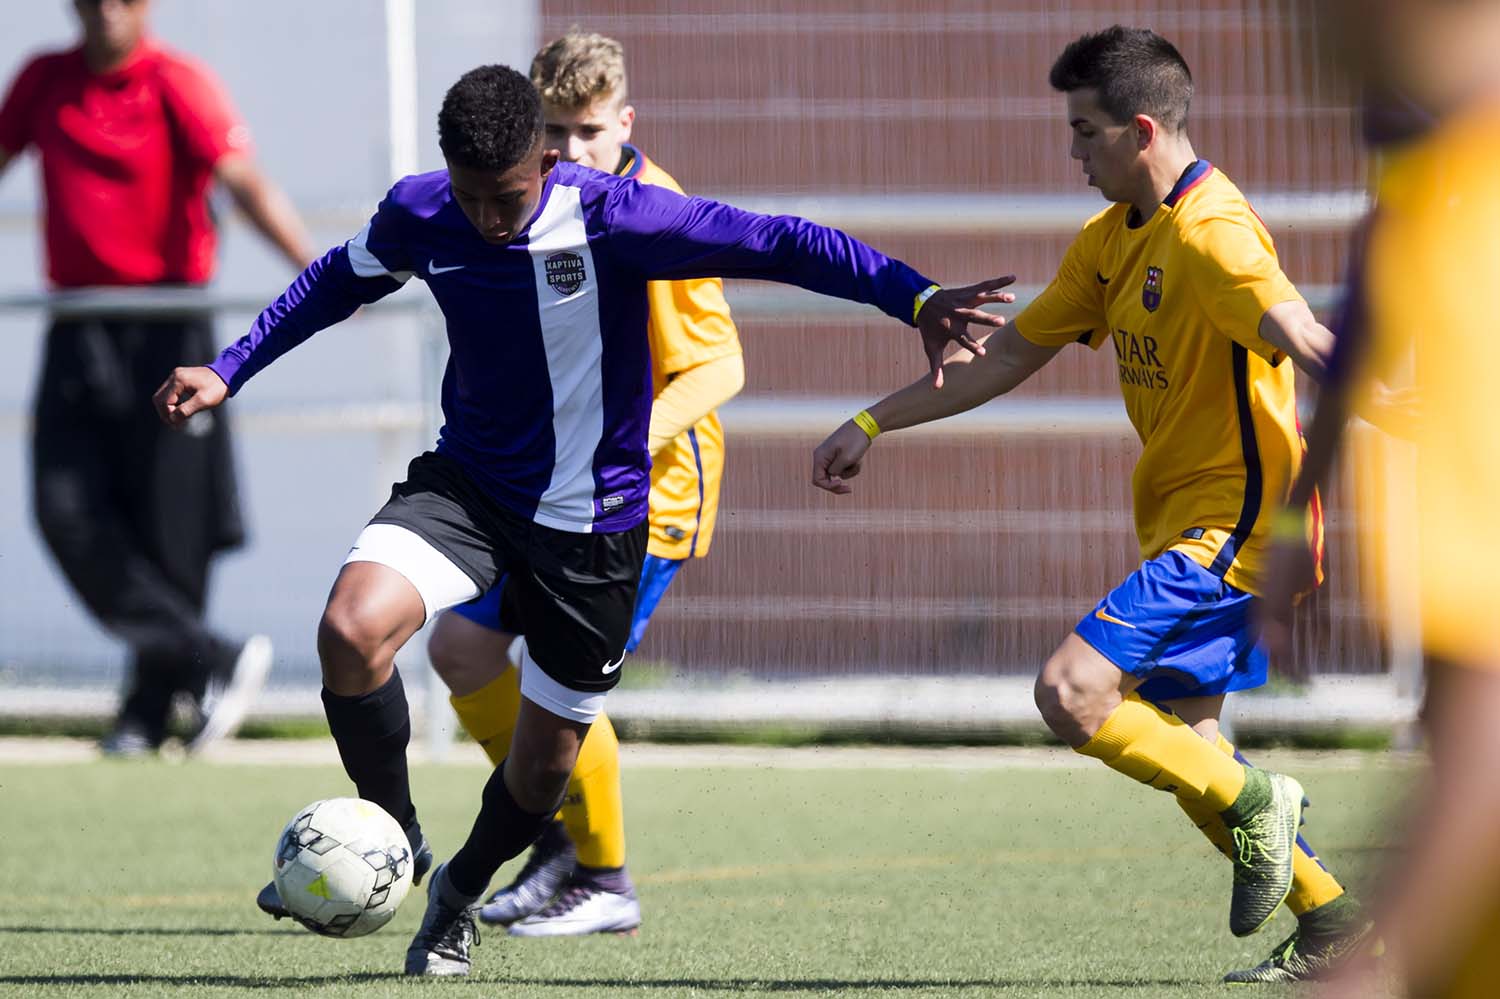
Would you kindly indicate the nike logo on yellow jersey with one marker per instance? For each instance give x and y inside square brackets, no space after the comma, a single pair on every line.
[1101,615]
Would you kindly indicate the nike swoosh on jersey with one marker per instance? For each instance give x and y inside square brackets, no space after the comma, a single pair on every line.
[611,667]
[1100,278]
[433,268]
[1101,615]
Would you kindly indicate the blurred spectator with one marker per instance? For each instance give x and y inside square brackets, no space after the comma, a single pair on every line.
[130,136]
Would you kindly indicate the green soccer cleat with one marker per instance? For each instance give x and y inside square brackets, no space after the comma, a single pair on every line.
[1264,841]
[1304,957]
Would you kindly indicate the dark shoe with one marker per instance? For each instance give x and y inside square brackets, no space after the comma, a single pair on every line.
[1263,846]
[1307,955]
[269,900]
[229,695]
[546,870]
[448,931]
[128,740]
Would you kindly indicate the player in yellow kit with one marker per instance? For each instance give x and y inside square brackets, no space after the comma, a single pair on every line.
[1180,279]
[575,881]
[1421,311]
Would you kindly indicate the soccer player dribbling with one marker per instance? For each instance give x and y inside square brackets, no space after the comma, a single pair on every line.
[574,881]
[1180,277]
[541,472]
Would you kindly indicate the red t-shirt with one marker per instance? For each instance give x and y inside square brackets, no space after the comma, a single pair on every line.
[127,157]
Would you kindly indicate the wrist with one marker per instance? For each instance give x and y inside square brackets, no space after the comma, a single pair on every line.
[921,300]
[864,421]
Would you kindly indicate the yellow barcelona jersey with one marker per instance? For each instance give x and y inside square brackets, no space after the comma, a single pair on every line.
[689,325]
[1430,270]
[1179,298]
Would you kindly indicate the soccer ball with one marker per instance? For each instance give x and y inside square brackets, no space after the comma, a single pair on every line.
[343,867]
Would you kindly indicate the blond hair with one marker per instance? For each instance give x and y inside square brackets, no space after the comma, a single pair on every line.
[578,69]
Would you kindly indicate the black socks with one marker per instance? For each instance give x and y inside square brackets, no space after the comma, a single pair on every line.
[502,830]
[372,731]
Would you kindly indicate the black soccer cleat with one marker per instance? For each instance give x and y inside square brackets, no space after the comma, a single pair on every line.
[268,900]
[448,931]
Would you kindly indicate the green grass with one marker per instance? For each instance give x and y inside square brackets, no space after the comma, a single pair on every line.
[123,879]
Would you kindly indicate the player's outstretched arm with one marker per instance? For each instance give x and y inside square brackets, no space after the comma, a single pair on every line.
[670,237]
[187,391]
[968,380]
[1292,328]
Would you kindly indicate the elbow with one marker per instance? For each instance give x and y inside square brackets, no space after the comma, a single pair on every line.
[734,375]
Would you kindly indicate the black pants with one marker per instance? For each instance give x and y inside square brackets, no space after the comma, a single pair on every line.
[132,510]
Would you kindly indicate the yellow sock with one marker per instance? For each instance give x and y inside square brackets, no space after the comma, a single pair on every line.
[489,714]
[1147,744]
[593,811]
[1312,884]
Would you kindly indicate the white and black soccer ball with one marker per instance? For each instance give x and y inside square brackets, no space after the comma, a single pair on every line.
[343,866]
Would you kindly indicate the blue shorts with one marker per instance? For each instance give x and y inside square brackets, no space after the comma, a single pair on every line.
[1179,628]
[493,611]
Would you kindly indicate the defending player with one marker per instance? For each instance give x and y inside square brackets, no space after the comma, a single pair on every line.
[575,881]
[540,473]
[1180,277]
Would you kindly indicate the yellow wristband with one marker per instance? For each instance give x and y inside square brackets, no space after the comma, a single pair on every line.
[864,421]
[922,297]
[1288,524]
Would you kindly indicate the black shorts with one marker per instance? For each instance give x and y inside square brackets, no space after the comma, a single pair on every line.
[574,592]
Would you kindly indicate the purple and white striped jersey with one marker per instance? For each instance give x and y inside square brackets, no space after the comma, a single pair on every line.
[547,394]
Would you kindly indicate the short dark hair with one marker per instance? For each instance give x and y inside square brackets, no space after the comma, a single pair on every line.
[1135,70]
[490,120]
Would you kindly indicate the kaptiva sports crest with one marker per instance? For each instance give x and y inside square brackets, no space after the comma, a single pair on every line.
[565,272]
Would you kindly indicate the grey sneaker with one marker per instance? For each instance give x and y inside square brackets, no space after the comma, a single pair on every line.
[1263,846]
[268,900]
[441,946]
[1302,957]
[128,740]
[546,870]
[582,909]
[227,699]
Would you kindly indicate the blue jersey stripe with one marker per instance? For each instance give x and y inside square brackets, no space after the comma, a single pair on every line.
[1254,483]
[698,465]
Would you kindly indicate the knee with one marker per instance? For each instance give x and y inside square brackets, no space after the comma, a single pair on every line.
[1073,704]
[352,641]
[1057,702]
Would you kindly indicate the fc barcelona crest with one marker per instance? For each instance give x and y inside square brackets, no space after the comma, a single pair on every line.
[565,273]
[1151,290]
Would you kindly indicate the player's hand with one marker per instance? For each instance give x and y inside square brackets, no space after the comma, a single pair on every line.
[838,458]
[945,318]
[187,391]
[1292,572]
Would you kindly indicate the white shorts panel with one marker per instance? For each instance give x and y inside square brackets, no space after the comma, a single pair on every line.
[441,583]
[539,688]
